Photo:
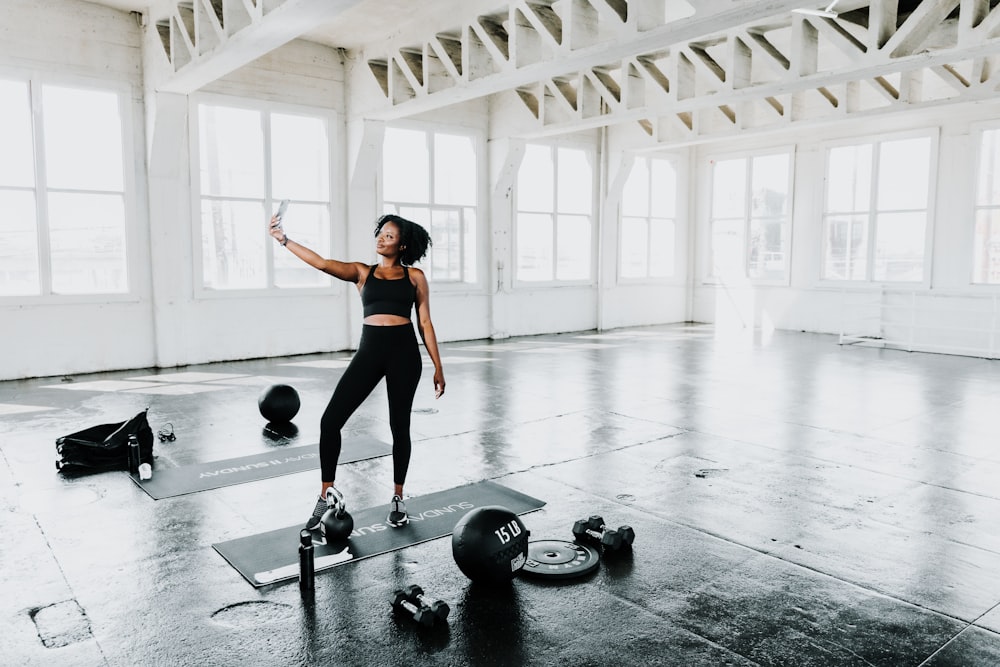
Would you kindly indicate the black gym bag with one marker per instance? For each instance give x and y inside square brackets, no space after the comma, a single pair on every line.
[104,447]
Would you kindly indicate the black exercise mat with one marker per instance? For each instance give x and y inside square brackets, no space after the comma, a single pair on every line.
[170,482]
[274,556]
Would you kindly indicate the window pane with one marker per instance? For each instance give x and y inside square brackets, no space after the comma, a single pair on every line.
[634,248]
[454,170]
[87,238]
[766,249]
[535,182]
[662,248]
[635,193]
[902,174]
[18,244]
[300,158]
[534,247]
[727,248]
[848,178]
[309,225]
[729,182]
[899,246]
[446,257]
[986,262]
[846,248]
[575,181]
[418,214]
[469,236]
[664,189]
[406,163]
[232,244]
[17,161]
[573,234]
[232,152]
[770,185]
[83,139]
[988,192]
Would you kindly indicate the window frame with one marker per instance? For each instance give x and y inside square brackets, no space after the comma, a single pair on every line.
[330,118]
[869,283]
[128,108]
[977,130]
[554,145]
[482,196]
[678,276]
[788,226]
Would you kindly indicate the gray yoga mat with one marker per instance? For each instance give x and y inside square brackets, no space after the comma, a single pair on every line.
[170,482]
[273,556]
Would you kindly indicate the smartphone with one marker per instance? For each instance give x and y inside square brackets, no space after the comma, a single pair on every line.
[282,207]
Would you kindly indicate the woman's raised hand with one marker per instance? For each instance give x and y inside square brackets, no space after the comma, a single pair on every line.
[276,230]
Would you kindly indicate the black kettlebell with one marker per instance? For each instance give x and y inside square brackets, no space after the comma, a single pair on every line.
[336,525]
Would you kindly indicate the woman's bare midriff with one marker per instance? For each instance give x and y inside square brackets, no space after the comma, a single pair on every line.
[386,320]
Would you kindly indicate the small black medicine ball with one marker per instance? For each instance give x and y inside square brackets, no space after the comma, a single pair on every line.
[490,544]
[278,403]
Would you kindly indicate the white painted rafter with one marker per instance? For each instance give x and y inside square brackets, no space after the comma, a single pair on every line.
[768,72]
[538,41]
[203,40]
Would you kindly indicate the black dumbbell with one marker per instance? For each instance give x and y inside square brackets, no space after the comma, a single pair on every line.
[594,529]
[415,594]
[422,614]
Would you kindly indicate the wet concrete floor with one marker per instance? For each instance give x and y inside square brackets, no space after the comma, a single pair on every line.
[795,502]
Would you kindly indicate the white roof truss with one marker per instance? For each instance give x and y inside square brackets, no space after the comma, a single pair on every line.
[683,70]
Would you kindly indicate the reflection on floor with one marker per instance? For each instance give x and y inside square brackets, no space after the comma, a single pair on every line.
[795,502]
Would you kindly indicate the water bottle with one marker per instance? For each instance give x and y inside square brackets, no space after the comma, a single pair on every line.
[133,454]
[307,567]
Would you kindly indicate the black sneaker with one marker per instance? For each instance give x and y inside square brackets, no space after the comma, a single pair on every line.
[317,514]
[397,513]
[334,499]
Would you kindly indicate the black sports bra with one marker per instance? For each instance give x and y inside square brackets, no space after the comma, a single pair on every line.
[388,297]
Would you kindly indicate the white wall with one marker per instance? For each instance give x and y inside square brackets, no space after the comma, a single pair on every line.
[807,303]
[194,326]
[69,42]
[163,321]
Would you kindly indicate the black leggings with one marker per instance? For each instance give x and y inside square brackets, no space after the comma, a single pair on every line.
[390,352]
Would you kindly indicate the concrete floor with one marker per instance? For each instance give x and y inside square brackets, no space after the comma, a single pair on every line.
[795,503]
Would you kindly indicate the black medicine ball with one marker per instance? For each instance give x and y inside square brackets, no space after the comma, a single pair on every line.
[278,403]
[490,544]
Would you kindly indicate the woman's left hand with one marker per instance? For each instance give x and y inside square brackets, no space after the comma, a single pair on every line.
[438,383]
[275,229]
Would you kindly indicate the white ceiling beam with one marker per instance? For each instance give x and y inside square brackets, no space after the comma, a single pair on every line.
[918,26]
[709,17]
[864,70]
[284,21]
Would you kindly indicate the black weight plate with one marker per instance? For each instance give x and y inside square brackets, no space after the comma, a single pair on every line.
[558,559]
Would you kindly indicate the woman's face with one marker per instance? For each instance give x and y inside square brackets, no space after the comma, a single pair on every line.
[387,241]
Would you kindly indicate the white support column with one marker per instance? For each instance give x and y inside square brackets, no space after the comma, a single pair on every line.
[361,208]
[170,226]
[617,168]
[505,157]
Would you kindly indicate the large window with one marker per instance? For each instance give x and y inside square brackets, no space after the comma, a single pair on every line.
[249,159]
[876,211]
[750,218]
[986,246]
[648,220]
[431,178]
[62,190]
[554,207]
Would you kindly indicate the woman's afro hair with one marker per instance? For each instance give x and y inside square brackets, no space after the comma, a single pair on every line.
[413,239]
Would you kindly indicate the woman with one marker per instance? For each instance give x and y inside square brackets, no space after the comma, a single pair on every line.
[388,348]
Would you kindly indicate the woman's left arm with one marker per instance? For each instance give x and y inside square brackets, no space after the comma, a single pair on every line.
[426,328]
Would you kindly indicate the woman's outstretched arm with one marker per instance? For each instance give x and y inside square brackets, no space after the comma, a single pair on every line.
[350,272]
